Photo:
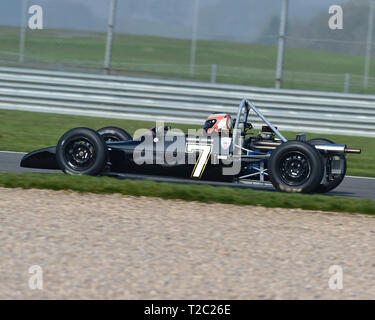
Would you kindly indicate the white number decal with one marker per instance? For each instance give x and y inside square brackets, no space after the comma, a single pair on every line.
[204,154]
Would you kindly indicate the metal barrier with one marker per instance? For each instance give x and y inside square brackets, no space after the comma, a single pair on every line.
[182,101]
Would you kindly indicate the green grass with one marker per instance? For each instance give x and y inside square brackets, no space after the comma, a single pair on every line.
[239,63]
[105,185]
[27,131]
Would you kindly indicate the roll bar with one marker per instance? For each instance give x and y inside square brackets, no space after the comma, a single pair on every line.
[248,105]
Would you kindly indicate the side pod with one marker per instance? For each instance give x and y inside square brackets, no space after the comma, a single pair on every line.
[41,159]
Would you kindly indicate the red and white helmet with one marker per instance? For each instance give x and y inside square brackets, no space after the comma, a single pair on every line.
[218,122]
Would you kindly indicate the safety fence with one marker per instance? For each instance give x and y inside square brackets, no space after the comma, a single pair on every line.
[182,101]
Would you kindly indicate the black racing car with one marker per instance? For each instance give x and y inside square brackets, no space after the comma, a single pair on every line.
[317,165]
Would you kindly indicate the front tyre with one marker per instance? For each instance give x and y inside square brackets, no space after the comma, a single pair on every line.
[334,180]
[81,151]
[296,166]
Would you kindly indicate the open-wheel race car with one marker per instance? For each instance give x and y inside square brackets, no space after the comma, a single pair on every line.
[226,150]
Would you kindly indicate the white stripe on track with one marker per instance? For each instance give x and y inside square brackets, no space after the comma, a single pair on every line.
[13,152]
[358,177]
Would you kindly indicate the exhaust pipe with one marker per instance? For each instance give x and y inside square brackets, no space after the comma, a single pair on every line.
[329,148]
[336,148]
[350,150]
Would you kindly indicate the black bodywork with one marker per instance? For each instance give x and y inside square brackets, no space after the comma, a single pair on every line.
[41,159]
[121,159]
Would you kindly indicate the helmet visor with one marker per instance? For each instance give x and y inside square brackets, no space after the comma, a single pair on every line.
[209,124]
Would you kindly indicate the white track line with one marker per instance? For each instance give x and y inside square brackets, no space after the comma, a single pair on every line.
[357,177]
[13,152]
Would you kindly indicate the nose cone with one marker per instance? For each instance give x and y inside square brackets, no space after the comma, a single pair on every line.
[41,159]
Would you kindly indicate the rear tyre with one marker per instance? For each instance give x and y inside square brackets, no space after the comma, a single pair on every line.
[111,134]
[337,179]
[81,151]
[296,166]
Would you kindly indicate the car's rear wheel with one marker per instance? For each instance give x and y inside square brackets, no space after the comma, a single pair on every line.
[335,179]
[296,166]
[81,151]
[111,134]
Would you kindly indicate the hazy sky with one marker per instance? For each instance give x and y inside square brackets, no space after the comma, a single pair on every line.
[238,20]
[300,8]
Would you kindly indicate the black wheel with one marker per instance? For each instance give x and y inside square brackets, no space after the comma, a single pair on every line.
[296,166]
[333,181]
[111,134]
[81,151]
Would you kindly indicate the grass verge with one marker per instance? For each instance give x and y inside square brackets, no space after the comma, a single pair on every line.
[210,194]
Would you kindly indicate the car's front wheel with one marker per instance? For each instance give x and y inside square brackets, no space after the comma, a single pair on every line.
[296,166]
[81,151]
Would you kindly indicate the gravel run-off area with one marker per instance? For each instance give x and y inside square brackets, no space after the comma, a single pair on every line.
[117,247]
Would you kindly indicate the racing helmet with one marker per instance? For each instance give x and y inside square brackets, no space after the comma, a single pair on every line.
[218,122]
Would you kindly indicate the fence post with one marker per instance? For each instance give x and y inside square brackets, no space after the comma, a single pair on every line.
[23,31]
[194,36]
[60,66]
[213,73]
[368,45]
[280,50]
[108,48]
[347,83]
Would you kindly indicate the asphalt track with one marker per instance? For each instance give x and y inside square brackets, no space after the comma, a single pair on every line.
[357,187]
